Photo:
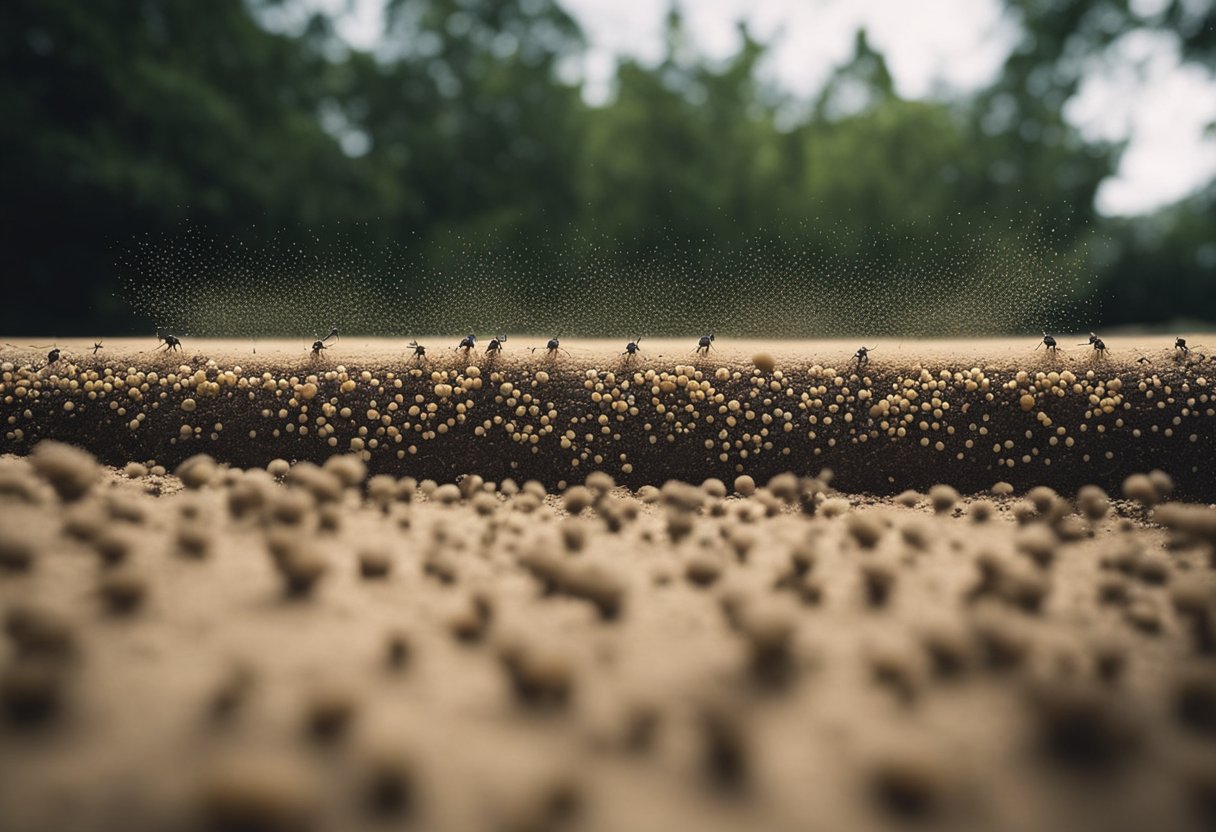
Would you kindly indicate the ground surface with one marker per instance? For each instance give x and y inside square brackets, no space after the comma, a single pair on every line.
[344,637]
[965,412]
[320,651]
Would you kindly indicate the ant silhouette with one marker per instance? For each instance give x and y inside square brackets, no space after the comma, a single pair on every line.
[705,344]
[319,344]
[632,348]
[51,357]
[1097,343]
[172,342]
[467,343]
[552,348]
[862,356]
[1181,351]
[53,354]
[1049,342]
[495,346]
[419,350]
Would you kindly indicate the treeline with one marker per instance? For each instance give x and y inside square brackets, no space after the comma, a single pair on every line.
[460,135]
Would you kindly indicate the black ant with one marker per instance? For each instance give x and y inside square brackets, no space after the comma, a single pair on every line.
[419,350]
[1181,350]
[862,356]
[172,342]
[705,344]
[632,348]
[552,348]
[495,345]
[97,346]
[1097,343]
[1049,342]
[51,357]
[467,343]
[319,344]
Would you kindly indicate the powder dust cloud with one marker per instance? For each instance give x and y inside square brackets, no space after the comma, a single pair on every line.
[264,284]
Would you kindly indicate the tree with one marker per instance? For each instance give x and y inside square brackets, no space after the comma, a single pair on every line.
[129,119]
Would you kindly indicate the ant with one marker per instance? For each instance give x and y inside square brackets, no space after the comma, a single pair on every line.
[1097,343]
[97,346]
[632,348]
[51,357]
[319,344]
[419,350]
[551,348]
[467,343]
[172,342]
[495,345]
[862,356]
[1049,342]
[1181,350]
[705,344]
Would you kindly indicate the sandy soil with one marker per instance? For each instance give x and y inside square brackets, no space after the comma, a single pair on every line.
[969,413]
[307,648]
[1073,353]
[343,637]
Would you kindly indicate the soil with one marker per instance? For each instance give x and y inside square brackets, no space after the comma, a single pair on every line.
[968,413]
[279,632]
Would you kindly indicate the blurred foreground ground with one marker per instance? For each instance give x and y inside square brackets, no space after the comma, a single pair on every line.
[305,648]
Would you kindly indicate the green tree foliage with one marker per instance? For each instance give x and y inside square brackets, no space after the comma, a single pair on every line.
[1162,266]
[1020,127]
[127,118]
[124,118]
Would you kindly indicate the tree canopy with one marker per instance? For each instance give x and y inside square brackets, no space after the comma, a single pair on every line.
[463,136]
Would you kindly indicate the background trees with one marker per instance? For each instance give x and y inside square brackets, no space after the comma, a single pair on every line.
[463,143]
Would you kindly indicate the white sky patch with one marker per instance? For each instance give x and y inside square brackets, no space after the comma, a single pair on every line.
[956,43]
[359,22]
[1141,92]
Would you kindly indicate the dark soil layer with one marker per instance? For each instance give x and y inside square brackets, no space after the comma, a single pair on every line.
[959,413]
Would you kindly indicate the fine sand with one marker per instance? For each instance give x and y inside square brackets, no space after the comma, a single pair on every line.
[307,648]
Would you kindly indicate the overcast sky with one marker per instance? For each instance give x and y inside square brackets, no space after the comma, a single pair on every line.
[1141,92]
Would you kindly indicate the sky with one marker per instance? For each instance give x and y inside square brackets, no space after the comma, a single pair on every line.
[1141,91]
